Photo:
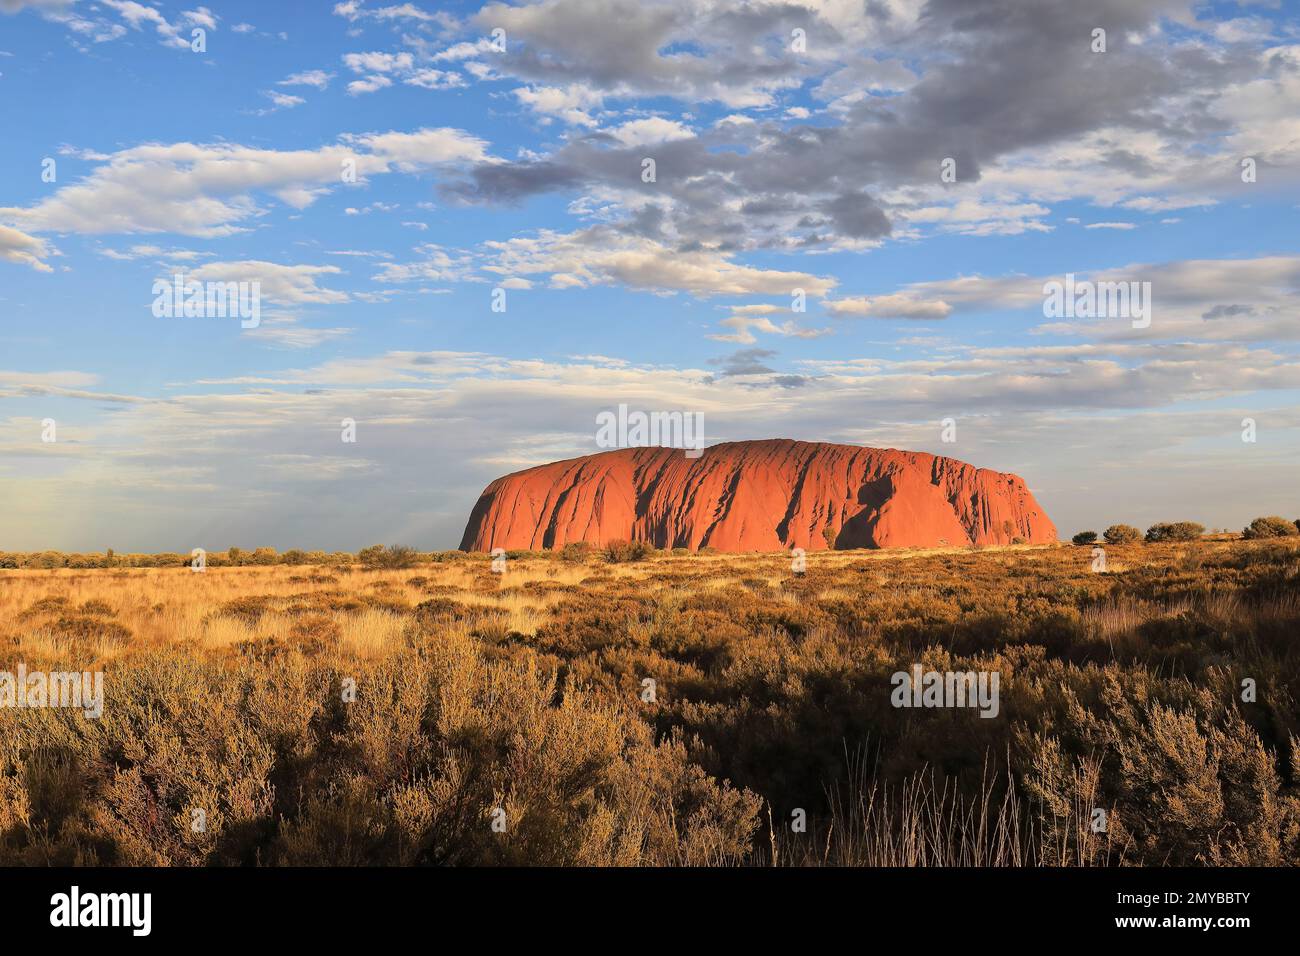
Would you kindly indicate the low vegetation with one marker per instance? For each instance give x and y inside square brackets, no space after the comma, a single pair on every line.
[679,709]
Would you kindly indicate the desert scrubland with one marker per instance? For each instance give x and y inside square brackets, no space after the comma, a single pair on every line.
[662,709]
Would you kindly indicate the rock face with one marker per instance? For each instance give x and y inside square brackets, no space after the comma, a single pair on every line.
[757,496]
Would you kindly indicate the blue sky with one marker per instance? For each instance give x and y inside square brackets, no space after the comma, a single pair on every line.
[784,160]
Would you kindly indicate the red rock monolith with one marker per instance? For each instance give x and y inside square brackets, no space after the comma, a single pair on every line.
[757,496]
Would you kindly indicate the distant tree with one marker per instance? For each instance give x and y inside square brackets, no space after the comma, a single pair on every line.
[1175,531]
[109,558]
[1270,527]
[235,556]
[294,556]
[263,556]
[1085,537]
[1121,534]
[829,534]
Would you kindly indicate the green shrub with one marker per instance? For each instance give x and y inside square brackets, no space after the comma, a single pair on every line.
[1175,531]
[575,551]
[617,552]
[1271,527]
[1085,537]
[387,558]
[1122,534]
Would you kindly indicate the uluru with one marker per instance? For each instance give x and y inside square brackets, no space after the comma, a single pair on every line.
[768,495]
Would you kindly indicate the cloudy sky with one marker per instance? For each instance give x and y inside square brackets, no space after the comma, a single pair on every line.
[501,151]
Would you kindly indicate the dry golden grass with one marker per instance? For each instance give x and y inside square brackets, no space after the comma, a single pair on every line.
[165,607]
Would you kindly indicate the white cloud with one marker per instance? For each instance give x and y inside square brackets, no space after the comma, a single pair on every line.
[354,10]
[422,149]
[598,256]
[369,84]
[435,265]
[572,103]
[147,251]
[281,284]
[1166,203]
[202,17]
[207,190]
[381,68]
[378,62]
[317,78]
[283,331]
[283,100]
[1208,299]
[979,217]
[653,129]
[890,307]
[27,250]
[464,51]
[137,16]
[434,79]
[747,319]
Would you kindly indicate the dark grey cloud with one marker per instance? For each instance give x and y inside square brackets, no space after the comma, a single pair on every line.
[687,49]
[509,183]
[1227,311]
[990,77]
[750,363]
[744,362]
[855,214]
